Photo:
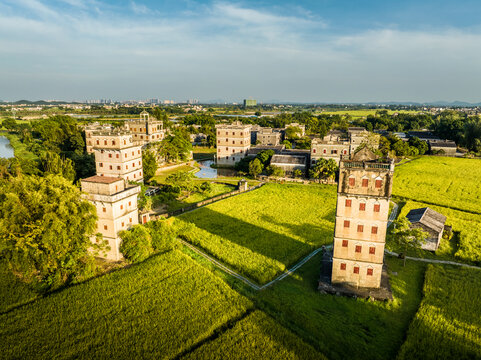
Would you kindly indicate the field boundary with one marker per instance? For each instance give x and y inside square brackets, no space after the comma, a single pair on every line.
[433,261]
[245,280]
[403,198]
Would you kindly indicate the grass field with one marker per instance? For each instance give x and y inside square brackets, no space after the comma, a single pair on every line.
[341,327]
[466,243]
[19,148]
[263,232]
[365,112]
[451,187]
[447,324]
[256,337]
[449,182]
[203,153]
[13,293]
[157,309]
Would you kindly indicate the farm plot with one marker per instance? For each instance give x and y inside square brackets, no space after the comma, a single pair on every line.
[447,324]
[449,182]
[157,309]
[256,337]
[340,327]
[263,232]
[465,226]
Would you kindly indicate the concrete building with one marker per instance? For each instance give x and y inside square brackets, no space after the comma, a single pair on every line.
[146,130]
[250,102]
[233,142]
[117,155]
[442,147]
[290,163]
[116,204]
[363,195]
[90,130]
[268,136]
[339,143]
[431,222]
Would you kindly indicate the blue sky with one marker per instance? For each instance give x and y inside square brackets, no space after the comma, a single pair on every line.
[313,51]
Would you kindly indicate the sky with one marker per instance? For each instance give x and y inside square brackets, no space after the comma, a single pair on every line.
[293,51]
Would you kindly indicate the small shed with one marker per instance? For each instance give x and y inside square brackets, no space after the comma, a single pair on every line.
[289,163]
[431,222]
[242,185]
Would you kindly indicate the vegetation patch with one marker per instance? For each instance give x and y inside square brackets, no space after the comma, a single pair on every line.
[263,232]
[158,309]
[447,324]
[341,327]
[449,182]
[466,242]
[256,337]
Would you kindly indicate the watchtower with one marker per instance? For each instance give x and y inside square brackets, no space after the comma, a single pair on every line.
[365,186]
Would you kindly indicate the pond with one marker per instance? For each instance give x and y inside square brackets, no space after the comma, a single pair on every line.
[6,151]
[207,172]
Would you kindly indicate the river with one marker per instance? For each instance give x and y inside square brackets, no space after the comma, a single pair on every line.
[6,151]
[207,172]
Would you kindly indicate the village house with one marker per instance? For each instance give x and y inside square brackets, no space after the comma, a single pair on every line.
[290,163]
[444,147]
[233,142]
[364,190]
[431,222]
[269,137]
[117,210]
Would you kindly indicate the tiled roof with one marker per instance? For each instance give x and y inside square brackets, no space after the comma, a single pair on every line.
[428,217]
[102,179]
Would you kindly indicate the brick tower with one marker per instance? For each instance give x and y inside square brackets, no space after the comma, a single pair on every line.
[364,190]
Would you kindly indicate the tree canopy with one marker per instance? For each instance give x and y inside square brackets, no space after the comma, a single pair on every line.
[46,229]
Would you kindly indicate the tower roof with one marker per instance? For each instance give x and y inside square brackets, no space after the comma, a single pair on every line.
[365,154]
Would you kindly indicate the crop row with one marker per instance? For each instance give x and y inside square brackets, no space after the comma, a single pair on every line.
[263,232]
[447,324]
[448,182]
[256,337]
[156,309]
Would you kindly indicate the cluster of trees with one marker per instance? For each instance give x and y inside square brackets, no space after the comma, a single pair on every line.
[259,164]
[207,127]
[174,147]
[323,169]
[392,145]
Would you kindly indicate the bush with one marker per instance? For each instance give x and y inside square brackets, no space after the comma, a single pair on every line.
[163,234]
[136,243]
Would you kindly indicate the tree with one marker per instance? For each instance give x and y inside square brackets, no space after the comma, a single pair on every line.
[405,236]
[136,243]
[472,134]
[183,180]
[176,146]
[421,146]
[10,124]
[52,163]
[287,144]
[273,170]
[293,132]
[265,157]
[149,164]
[323,169]
[297,173]
[46,229]
[255,167]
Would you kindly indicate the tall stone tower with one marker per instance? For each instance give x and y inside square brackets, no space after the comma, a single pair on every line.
[365,186]
[116,204]
[117,155]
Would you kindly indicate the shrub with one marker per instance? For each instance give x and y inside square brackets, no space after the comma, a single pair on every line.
[136,243]
[163,234]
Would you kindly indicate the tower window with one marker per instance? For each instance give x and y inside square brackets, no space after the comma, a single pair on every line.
[377,208]
[365,182]
[104,210]
[356,270]
[378,184]
[360,228]
[358,248]
[345,243]
[343,266]
[348,202]
[369,272]
[352,181]
[347,223]
[372,250]
[313,151]
[105,227]
[362,206]
[374,230]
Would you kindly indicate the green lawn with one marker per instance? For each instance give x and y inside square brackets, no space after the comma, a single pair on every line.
[448,323]
[19,148]
[263,232]
[157,309]
[341,327]
[445,181]
[162,174]
[256,337]
[14,293]
[203,153]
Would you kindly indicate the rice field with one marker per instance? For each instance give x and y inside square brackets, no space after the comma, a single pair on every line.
[263,232]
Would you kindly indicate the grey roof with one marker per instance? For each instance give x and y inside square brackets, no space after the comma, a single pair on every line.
[254,150]
[427,217]
[442,143]
[288,159]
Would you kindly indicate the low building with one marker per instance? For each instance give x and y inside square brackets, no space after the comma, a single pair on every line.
[268,136]
[250,102]
[254,150]
[117,210]
[444,147]
[233,142]
[431,222]
[290,163]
